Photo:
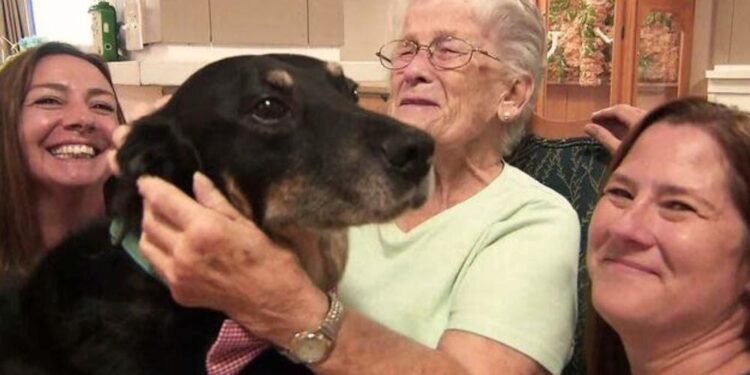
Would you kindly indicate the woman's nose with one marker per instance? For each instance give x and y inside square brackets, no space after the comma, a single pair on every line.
[78,117]
[420,67]
[635,225]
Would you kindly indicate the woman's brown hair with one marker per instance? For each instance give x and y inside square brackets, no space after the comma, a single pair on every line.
[20,232]
[730,128]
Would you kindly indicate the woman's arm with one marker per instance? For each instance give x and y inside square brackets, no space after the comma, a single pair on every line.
[210,256]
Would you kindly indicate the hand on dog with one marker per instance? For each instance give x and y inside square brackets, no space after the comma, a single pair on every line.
[211,256]
[610,125]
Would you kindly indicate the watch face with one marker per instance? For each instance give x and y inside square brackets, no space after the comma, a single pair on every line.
[310,347]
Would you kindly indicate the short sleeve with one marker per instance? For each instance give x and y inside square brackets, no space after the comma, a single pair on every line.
[520,287]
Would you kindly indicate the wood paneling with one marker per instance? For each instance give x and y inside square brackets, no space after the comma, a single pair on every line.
[739,51]
[573,102]
[702,43]
[326,22]
[722,31]
[367,27]
[185,21]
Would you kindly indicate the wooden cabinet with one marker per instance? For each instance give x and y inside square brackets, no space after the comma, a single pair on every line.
[603,52]
[316,23]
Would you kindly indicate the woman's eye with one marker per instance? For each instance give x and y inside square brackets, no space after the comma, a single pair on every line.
[618,193]
[447,51]
[47,101]
[618,196]
[678,206]
[103,107]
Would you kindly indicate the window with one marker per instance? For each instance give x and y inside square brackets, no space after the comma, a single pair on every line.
[65,21]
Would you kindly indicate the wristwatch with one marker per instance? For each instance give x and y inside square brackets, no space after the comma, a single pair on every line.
[311,347]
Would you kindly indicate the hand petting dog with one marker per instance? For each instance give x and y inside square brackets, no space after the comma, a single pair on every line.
[211,256]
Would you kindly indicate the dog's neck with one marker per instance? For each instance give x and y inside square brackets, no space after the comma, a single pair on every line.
[321,253]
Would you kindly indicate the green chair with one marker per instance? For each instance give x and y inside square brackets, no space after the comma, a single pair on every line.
[561,157]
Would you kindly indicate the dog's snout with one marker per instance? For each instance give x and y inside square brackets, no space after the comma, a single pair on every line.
[409,155]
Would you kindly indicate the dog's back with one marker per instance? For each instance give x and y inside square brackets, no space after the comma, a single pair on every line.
[283,138]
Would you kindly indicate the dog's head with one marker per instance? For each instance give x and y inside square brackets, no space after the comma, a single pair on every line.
[283,137]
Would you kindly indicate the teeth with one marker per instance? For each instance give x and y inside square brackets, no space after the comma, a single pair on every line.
[74,152]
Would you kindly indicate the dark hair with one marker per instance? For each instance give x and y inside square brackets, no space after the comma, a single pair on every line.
[730,128]
[20,232]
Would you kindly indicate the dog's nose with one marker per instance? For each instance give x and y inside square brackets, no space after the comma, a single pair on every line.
[408,154]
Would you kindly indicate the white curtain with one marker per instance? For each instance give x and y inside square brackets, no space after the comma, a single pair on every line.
[14,24]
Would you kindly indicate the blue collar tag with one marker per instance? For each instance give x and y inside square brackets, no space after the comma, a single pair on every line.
[130,244]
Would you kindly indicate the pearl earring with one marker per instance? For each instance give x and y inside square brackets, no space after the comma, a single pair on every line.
[505,116]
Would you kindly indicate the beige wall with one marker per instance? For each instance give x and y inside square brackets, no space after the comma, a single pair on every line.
[366,28]
[732,32]
[728,41]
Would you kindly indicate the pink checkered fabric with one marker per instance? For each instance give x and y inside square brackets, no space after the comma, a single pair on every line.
[233,349]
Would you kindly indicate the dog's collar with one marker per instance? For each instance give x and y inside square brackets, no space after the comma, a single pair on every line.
[130,244]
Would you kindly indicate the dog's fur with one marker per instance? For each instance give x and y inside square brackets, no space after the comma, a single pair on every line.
[283,138]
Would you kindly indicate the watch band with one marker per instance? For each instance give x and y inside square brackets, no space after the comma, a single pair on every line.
[332,322]
[311,347]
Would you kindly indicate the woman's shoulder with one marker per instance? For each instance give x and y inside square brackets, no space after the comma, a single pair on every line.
[523,190]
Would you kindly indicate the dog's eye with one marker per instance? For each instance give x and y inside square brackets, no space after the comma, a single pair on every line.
[270,110]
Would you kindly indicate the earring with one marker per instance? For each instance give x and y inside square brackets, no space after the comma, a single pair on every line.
[505,116]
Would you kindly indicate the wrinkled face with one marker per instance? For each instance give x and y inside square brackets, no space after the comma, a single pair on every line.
[667,245]
[66,122]
[454,106]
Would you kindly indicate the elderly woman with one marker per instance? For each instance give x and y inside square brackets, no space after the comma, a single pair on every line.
[668,247]
[57,112]
[479,280]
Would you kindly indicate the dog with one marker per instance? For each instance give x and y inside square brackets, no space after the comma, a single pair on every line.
[283,138]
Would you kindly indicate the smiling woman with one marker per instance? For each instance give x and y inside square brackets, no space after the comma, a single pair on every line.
[669,247]
[57,113]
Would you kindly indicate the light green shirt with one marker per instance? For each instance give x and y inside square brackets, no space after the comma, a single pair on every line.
[502,264]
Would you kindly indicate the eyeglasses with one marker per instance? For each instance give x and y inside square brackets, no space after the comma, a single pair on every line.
[444,53]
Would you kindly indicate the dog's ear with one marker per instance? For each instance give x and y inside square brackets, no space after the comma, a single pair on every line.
[155,146]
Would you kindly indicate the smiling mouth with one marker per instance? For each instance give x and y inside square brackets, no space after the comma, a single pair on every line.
[417,101]
[633,266]
[78,151]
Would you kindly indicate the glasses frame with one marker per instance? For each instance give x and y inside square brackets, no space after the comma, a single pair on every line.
[430,48]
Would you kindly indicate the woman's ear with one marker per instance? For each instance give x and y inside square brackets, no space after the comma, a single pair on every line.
[515,99]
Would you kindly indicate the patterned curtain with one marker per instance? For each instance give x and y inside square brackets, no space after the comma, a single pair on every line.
[14,24]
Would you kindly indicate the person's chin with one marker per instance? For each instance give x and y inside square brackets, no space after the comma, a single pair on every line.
[78,173]
[417,115]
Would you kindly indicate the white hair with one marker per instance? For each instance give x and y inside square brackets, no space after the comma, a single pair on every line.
[517,28]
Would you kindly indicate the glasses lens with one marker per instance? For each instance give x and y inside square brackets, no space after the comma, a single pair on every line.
[451,52]
[397,54]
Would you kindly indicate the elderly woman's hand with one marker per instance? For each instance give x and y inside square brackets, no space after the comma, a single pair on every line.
[211,256]
[610,125]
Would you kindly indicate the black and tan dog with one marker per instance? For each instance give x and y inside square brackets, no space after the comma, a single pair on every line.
[283,138]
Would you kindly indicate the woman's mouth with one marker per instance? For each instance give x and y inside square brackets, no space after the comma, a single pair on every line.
[632,266]
[74,151]
[418,101]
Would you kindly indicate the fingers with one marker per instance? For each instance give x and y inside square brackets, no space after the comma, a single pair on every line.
[159,259]
[610,125]
[159,230]
[209,196]
[167,201]
[627,115]
[603,136]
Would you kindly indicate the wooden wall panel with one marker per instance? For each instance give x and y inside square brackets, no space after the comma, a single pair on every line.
[367,27]
[722,31]
[701,56]
[739,52]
